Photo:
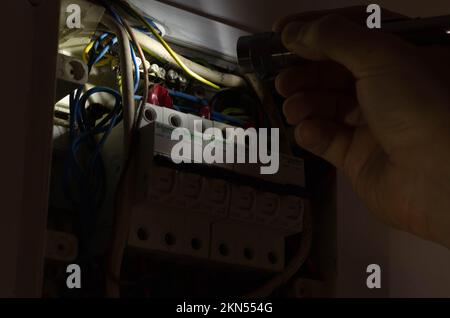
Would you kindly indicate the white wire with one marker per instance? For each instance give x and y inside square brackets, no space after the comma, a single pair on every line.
[222,79]
[126,70]
[122,216]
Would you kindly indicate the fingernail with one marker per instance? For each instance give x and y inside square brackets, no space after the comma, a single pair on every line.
[291,33]
[278,84]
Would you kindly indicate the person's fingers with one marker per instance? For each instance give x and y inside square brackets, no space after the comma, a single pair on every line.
[293,37]
[292,80]
[392,83]
[346,148]
[330,105]
[303,105]
[333,37]
[325,139]
[354,117]
[313,75]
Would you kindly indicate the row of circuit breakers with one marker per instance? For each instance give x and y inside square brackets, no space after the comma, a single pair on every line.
[225,213]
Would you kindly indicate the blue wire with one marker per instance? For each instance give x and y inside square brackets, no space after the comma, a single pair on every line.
[153,24]
[104,51]
[224,118]
[111,11]
[186,109]
[188,97]
[91,182]
[90,178]
[133,53]
[86,136]
[136,69]
[100,38]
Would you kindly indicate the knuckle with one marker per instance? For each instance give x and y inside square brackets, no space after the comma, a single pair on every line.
[321,29]
[326,24]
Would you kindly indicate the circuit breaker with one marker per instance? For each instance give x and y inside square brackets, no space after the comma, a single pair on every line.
[224,213]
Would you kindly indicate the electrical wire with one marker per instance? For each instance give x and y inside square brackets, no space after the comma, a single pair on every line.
[89,175]
[188,97]
[156,50]
[122,217]
[126,6]
[105,61]
[227,119]
[102,58]
[145,73]
[87,130]
[152,23]
[137,75]
[126,63]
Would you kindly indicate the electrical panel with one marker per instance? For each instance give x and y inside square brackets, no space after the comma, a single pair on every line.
[129,208]
[221,213]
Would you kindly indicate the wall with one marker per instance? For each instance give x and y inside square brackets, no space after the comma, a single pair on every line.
[27,90]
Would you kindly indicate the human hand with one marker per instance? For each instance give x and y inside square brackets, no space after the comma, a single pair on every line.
[377,109]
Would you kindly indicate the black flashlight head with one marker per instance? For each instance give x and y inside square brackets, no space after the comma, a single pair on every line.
[264,54]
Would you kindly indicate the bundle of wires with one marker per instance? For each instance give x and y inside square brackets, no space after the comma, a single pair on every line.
[85,178]
[129,10]
[84,166]
[131,120]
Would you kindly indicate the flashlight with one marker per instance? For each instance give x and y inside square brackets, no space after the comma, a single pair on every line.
[265,55]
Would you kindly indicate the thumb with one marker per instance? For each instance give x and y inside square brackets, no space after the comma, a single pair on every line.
[336,38]
[393,84]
